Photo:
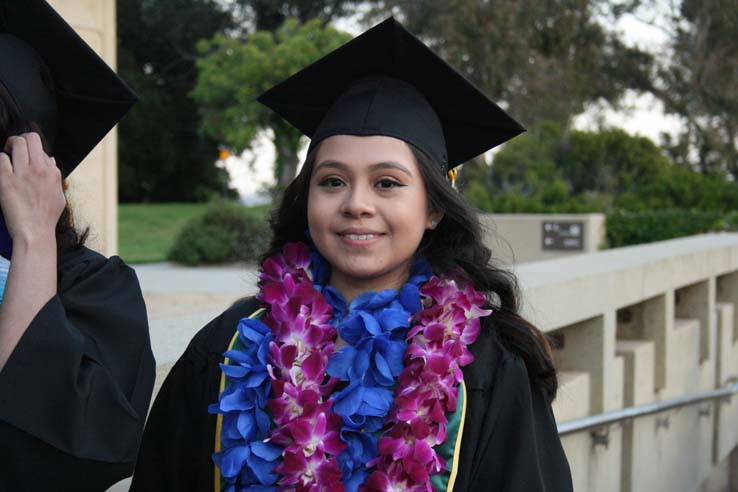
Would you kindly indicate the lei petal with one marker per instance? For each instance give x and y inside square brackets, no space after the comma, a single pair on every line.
[340,363]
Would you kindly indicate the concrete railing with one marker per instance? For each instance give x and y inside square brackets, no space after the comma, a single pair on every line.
[641,325]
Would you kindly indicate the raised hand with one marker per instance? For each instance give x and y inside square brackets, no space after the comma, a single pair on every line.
[32,200]
[31,194]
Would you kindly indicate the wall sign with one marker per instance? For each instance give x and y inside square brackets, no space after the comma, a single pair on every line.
[563,236]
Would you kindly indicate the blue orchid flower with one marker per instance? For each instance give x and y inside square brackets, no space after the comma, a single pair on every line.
[361,447]
[251,463]
[355,478]
[246,459]
[363,400]
[320,268]
[336,300]
[373,300]
[376,361]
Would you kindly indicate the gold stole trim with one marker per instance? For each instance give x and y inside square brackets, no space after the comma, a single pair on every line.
[457,448]
[219,421]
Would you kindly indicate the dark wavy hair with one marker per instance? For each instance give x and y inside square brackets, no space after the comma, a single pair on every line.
[456,242]
[13,123]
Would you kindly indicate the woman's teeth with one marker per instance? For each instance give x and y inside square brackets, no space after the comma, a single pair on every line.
[360,237]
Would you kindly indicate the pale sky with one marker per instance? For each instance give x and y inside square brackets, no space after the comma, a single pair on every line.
[645,117]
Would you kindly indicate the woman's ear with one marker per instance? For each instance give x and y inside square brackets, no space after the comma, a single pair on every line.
[433,220]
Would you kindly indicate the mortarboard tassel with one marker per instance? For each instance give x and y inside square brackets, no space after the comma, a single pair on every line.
[453,173]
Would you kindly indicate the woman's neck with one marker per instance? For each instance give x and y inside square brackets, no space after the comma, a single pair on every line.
[351,288]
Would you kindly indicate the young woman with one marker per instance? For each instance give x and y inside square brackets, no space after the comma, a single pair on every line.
[383,352]
[76,368]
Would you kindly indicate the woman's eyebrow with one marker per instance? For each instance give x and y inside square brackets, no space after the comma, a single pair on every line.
[379,165]
[331,164]
[391,165]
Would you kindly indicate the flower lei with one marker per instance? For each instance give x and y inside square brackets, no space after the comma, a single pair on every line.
[398,381]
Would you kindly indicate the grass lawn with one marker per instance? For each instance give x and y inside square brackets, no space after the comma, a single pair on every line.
[147,231]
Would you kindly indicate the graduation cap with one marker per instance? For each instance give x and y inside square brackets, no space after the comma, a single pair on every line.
[57,81]
[387,82]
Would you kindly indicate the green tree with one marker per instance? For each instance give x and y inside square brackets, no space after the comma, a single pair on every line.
[163,157]
[547,170]
[528,163]
[232,73]
[269,15]
[698,81]
[543,60]
[610,161]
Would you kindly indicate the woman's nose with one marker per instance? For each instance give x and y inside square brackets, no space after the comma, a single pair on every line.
[358,203]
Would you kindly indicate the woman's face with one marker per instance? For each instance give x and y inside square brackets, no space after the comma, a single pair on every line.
[367,211]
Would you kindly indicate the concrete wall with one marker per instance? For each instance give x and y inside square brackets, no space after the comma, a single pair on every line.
[93,191]
[639,325]
[518,238]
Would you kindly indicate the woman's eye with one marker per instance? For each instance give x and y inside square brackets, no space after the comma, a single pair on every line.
[388,183]
[330,183]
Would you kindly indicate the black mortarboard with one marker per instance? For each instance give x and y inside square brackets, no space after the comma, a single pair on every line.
[387,82]
[57,81]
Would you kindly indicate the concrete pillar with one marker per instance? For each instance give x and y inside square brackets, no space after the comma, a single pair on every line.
[93,186]
[589,347]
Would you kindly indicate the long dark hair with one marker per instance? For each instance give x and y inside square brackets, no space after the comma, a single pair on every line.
[13,123]
[456,242]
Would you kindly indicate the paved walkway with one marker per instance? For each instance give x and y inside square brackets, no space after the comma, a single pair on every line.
[181,300]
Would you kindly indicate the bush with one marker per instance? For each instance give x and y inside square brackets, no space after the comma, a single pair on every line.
[682,188]
[628,228]
[729,222]
[225,232]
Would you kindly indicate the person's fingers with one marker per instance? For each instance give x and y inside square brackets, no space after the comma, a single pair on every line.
[36,154]
[6,176]
[17,148]
[6,167]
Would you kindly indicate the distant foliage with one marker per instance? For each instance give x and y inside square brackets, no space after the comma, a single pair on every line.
[232,72]
[645,196]
[697,81]
[547,60]
[627,228]
[162,156]
[544,171]
[225,232]
[549,171]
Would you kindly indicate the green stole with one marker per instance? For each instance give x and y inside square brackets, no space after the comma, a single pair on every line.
[449,450]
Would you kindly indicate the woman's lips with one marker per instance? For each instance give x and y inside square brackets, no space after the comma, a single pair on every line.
[360,239]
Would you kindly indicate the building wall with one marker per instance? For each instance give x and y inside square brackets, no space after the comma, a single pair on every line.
[93,186]
[518,238]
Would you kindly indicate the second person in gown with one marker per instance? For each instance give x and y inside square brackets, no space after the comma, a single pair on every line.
[76,367]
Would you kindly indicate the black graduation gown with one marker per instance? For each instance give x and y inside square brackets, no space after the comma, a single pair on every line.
[509,443]
[75,391]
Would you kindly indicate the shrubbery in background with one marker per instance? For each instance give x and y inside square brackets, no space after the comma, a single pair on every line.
[626,228]
[225,232]
[645,196]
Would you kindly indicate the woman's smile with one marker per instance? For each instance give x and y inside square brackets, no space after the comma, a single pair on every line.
[360,238]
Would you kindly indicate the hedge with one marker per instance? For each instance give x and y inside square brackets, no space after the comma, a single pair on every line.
[628,228]
[225,232]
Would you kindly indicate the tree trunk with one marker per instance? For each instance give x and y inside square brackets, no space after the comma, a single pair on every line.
[286,146]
